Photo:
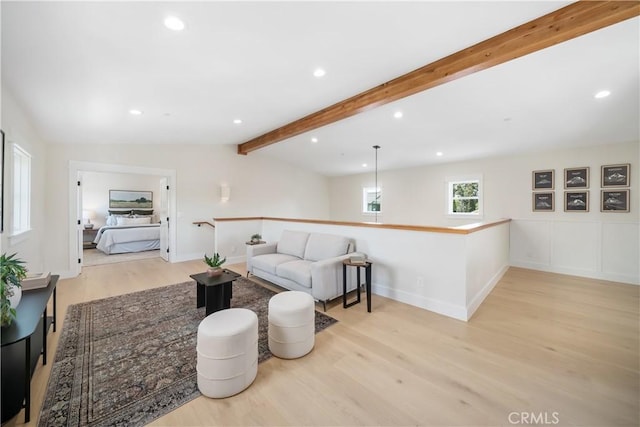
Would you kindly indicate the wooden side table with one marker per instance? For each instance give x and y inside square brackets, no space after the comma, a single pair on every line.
[367,270]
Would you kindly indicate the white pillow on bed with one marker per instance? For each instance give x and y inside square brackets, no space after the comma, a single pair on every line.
[133,221]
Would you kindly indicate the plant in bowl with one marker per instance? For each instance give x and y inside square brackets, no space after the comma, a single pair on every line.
[215,262]
[12,271]
[255,238]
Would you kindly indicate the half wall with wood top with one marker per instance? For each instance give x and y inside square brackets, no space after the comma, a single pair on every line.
[447,270]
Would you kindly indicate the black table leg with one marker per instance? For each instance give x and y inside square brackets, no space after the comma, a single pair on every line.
[27,380]
[54,310]
[344,286]
[358,281]
[368,285]
[200,294]
[44,336]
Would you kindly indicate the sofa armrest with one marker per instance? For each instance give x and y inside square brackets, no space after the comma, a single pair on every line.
[255,250]
[326,277]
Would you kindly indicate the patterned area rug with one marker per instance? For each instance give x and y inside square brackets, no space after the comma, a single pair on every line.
[130,359]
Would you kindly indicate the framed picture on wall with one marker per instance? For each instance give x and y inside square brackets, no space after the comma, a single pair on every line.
[576,201]
[2,170]
[614,201]
[543,180]
[576,178]
[615,175]
[130,199]
[543,202]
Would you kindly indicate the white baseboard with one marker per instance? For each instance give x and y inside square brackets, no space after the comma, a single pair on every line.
[613,277]
[484,292]
[449,310]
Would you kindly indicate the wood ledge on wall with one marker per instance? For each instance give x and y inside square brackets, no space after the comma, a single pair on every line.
[463,229]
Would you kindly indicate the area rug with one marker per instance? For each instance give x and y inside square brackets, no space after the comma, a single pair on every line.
[130,359]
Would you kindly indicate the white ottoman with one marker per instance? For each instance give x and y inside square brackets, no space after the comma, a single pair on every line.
[227,349]
[291,324]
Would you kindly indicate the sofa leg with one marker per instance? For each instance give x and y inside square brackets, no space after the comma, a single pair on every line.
[324,306]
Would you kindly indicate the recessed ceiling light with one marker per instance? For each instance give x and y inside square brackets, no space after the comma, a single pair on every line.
[602,94]
[314,139]
[174,23]
[319,72]
[397,114]
[439,154]
[135,112]
[364,165]
[237,121]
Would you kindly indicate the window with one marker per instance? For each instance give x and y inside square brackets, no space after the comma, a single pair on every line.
[464,197]
[371,200]
[21,220]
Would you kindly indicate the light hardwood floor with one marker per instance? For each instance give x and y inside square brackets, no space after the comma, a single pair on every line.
[560,349]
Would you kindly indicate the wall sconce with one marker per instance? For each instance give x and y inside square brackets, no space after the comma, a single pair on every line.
[225,192]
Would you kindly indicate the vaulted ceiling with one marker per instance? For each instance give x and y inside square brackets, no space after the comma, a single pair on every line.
[78,68]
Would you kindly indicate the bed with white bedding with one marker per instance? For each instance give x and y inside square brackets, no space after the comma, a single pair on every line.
[118,239]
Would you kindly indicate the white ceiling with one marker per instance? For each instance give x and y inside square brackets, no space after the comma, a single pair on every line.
[77,68]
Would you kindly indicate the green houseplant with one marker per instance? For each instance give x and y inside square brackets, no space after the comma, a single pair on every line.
[255,238]
[215,262]
[12,271]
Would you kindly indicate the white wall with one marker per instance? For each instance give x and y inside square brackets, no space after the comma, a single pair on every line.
[96,186]
[592,244]
[18,129]
[258,187]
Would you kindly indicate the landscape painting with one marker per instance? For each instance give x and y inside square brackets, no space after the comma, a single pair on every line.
[130,199]
[576,178]
[543,180]
[576,201]
[543,202]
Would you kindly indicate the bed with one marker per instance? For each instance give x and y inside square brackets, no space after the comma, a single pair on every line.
[118,239]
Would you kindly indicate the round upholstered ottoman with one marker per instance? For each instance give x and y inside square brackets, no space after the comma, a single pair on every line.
[291,324]
[227,352]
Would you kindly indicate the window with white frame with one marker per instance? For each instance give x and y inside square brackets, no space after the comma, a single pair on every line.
[371,200]
[464,197]
[21,219]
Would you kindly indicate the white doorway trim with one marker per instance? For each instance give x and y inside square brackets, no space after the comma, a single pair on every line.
[77,167]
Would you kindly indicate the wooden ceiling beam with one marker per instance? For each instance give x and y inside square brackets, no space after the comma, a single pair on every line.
[556,27]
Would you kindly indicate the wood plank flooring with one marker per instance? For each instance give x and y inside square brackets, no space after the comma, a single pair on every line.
[554,347]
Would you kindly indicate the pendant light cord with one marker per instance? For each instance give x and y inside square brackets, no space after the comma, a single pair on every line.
[376,147]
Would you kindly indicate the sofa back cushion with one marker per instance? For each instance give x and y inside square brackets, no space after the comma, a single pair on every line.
[292,243]
[322,246]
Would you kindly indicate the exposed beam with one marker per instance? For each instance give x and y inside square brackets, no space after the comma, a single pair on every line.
[556,27]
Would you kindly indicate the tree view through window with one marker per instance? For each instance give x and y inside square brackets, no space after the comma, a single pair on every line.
[465,197]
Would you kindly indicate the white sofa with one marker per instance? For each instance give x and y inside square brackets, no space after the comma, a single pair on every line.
[307,262]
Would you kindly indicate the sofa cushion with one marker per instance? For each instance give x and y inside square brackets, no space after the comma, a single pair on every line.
[297,271]
[322,246]
[292,243]
[269,262]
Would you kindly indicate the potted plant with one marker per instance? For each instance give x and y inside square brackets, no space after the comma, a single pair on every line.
[12,271]
[215,262]
[255,238]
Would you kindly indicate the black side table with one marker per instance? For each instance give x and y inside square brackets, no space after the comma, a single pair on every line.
[367,270]
[214,293]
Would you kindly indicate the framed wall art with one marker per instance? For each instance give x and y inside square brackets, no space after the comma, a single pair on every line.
[615,175]
[614,201]
[543,180]
[130,199]
[2,171]
[576,178]
[543,202]
[576,201]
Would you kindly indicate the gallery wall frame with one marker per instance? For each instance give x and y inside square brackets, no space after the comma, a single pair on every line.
[576,177]
[614,200]
[130,199]
[576,201]
[543,180]
[615,175]
[543,201]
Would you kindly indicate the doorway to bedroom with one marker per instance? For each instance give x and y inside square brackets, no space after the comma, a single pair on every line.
[137,202]
[114,229]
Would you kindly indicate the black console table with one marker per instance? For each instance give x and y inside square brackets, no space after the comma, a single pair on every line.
[22,343]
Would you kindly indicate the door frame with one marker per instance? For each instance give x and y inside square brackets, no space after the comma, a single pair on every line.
[75,236]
